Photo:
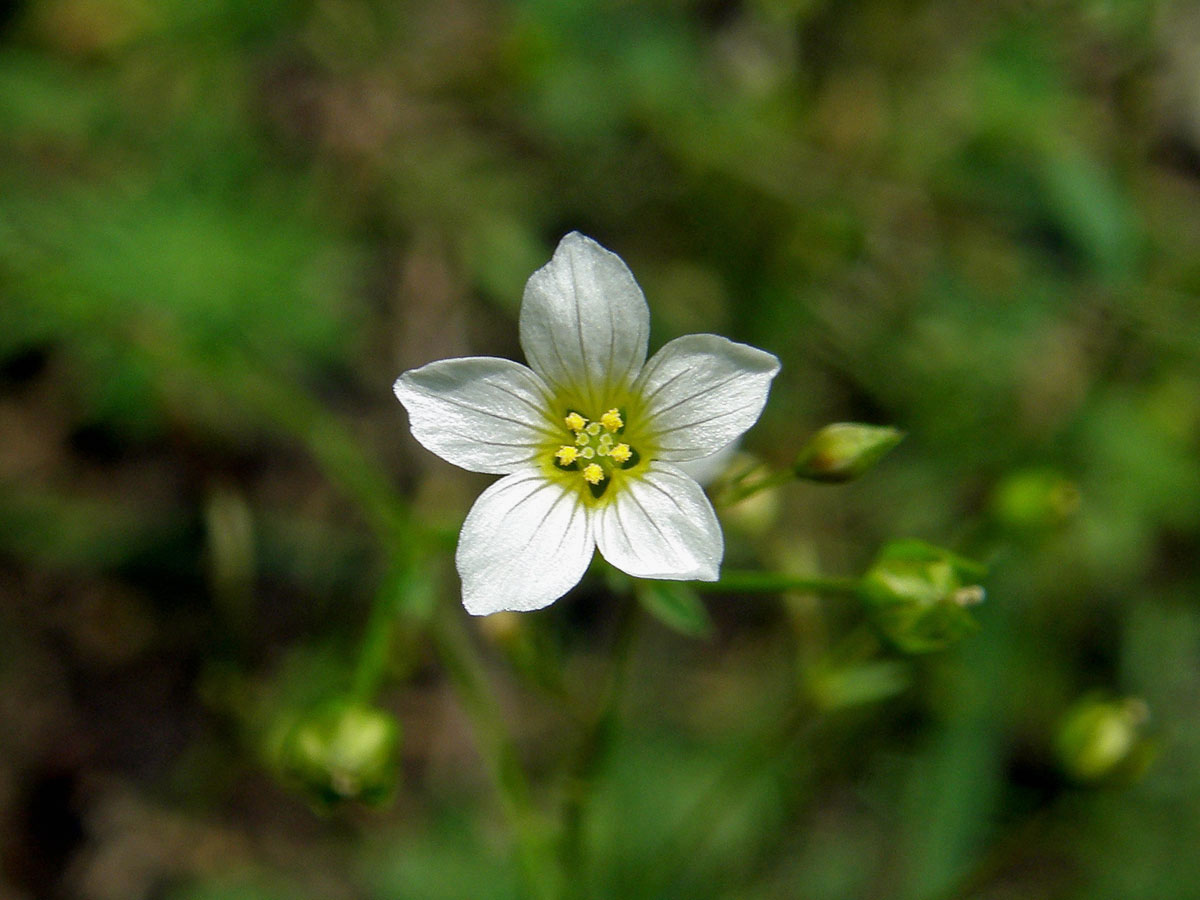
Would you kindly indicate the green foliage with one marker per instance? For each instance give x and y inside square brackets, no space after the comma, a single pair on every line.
[676,606]
[226,227]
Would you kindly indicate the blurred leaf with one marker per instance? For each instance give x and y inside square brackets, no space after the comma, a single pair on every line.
[447,858]
[74,532]
[839,687]
[675,605]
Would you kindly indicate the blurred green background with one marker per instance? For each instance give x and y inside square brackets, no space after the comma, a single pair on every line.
[226,227]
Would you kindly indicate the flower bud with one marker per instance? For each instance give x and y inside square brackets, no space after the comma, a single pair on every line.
[844,450]
[1034,500]
[342,751]
[919,595]
[1099,738]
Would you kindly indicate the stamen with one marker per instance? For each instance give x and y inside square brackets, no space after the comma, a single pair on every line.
[596,452]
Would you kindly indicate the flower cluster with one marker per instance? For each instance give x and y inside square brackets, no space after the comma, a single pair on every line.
[589,437]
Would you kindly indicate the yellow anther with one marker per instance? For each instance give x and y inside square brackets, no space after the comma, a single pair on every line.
[581,439]
[575,421]
[612,420]
[593,474]
[587,452]
[593,429]
[621,453]
[566,455]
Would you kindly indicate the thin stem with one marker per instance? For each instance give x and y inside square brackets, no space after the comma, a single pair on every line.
[375,651]
[711,809]
[373,654]
[597,742]
[499,754]
[362,479]
[750,483]
[748,582]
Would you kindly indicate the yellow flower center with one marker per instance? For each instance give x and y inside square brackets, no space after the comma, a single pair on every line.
[612,420]
[595,450]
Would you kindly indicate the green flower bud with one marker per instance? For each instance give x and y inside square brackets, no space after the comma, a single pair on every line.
[1099,738]
[1034,500]
[844,450]
[342,751]
[919,595]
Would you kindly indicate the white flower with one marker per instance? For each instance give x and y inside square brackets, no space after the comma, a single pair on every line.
[587,437]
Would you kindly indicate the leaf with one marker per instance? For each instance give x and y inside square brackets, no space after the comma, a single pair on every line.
[840,687]
[675,605]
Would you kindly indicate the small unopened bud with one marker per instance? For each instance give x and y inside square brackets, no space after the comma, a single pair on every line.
[342,751]
[919,595]
[1034,500]
[844,450]
[1099,738]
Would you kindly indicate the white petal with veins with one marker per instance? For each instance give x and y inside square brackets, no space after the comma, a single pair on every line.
[524,544]
[584,321]
[708,469]
[661,526]
[700,392]
[480,413]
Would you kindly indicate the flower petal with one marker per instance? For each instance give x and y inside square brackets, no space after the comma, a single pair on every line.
[661,525]
[707,469]
[701,391]
[480,413]
[584,322]
[525,543]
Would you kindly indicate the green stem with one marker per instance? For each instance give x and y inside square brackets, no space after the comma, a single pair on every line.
[746,582]
[533,833]
[778,748]
[376,650]
[750,483]
[597,744]
[358,474]
[373,654]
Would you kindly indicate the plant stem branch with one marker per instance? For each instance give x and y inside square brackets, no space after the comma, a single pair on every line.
[748,582]
[532,831]
[597,742]
[777,747]
[362,479]
[750,483]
